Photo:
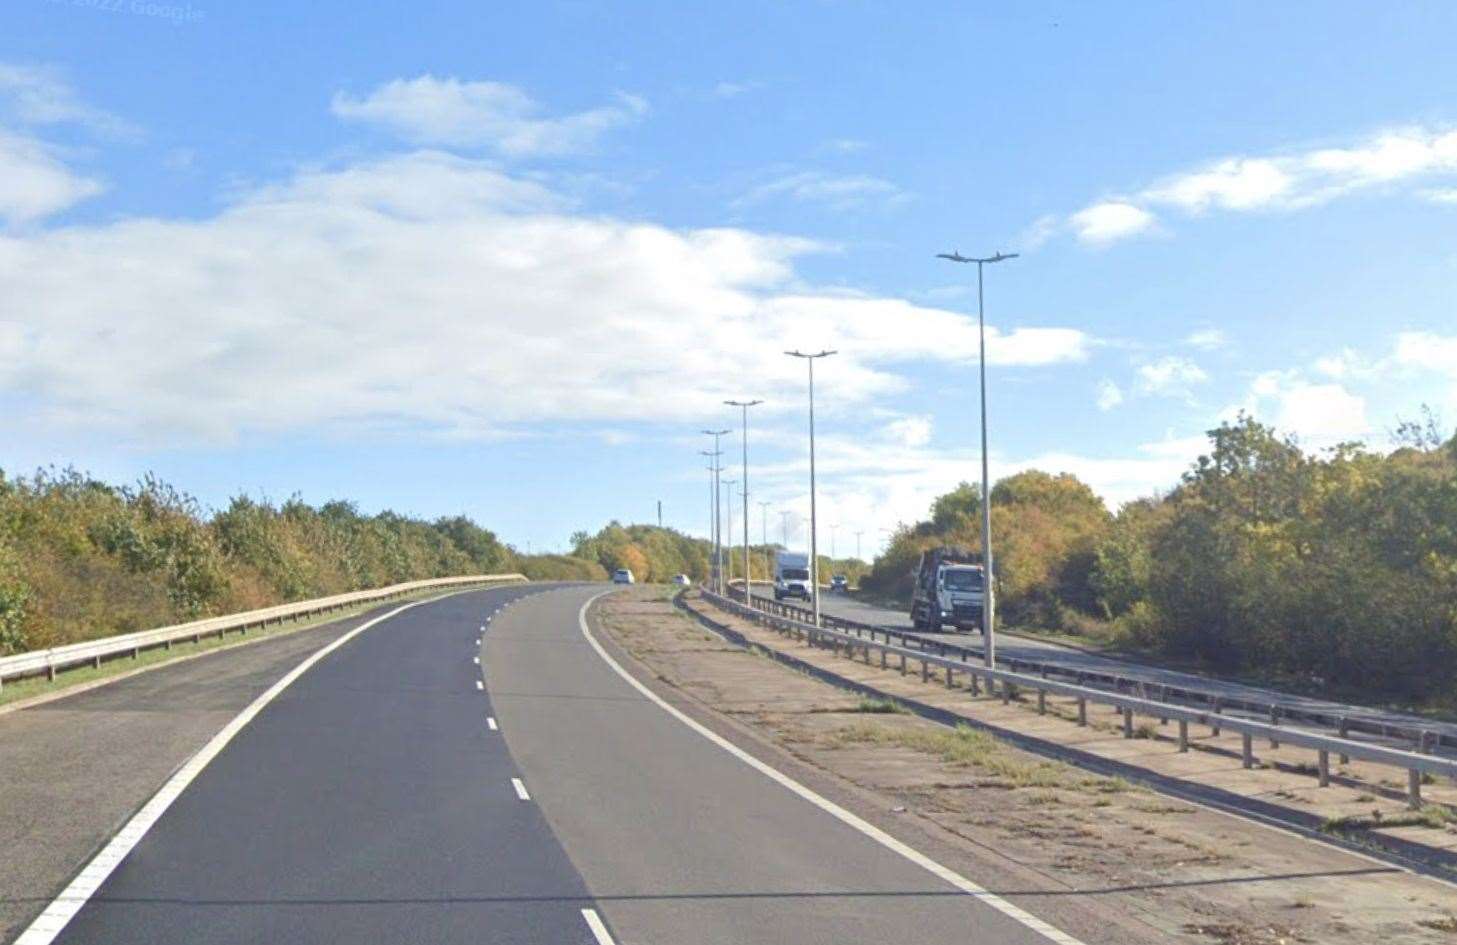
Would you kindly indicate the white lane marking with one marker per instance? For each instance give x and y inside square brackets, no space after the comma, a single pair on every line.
[49,923]
[599,929]
[520,789]
[830,807]
[476,660]
[480,685]
[491,722]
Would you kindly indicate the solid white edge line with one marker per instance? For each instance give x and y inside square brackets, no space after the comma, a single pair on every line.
[64,907]
[491,723]
[520,789]
[950,876]
[598,927]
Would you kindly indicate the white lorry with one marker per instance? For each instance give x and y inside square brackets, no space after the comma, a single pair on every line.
[791,575]
[950,588]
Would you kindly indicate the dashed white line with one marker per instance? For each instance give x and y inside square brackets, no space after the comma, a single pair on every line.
[599,929]
[491,722]
[520,789]
[476,660]
[1016,913]
[480,685]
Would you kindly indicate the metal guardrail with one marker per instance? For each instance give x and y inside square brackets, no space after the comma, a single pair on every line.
[1421,739]
[92,652]
[1414,763]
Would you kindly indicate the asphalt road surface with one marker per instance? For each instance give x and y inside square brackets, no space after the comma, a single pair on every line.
[851,608]
[387,796]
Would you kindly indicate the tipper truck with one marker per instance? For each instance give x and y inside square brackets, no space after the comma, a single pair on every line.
[951,588]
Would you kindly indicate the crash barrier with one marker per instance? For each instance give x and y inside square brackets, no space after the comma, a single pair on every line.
[93,652]
[1423,740]
[1011,683]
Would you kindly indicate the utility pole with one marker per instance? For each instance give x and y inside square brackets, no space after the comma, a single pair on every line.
[745,405]
[987,621]
[717,527]
[814,579]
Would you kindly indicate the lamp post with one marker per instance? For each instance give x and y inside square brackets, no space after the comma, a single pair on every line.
[857,546]
[745,405]
[784,528]
[988,622]
[717,527]
[764,534]
[814,579]
[712,509]
[728,541]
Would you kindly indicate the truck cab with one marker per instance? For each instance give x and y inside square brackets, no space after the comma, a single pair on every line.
[791,575]
[950,588]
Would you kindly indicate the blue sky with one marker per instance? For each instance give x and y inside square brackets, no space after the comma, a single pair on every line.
[507,259]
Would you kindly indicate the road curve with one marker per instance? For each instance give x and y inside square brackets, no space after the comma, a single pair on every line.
[400,791]
[369,802]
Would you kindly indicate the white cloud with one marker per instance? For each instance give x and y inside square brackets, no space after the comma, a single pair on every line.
[1109,395]
[735,89]
[430,293]
[427,110]
[1428,351]
[39,96]
[1285,181]
[1170,376]
[1442,196]
[34,183]
[838,191]
[846,145]
[1112,220]
[1319,414]
[1207,340]
[908,431]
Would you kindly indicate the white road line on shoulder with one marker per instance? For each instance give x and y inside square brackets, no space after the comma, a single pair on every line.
[491,722]
[49,923]
[476,660]
[520,789]
[599,929]
[480,685]
[950,876]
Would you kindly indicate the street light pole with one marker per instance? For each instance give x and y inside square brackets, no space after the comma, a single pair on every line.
[717,526]
[712,509]
[764,534]
[988,622]
[814,576]
[784,528]
[857,546]
[728,541]
[745,405]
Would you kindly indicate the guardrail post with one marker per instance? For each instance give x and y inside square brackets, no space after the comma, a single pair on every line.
[1274,720]
[1247,750]
[903,663]
[925,671]
[1414,789]
[975,684]
[1127,723]
[95,664]
[1082,711]
[1214,726]
[1342,729]
[1042,702]
[1324,764]
[1006,693]
[1183,735]
[950,677]
[882,658]
[51,670]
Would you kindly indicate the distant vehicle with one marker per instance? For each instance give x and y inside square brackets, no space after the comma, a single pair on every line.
[950,588]
[840,583]
[682,579]
[791,575]
[622,576]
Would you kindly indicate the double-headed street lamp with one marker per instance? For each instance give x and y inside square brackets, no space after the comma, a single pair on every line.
[814,579]
[987,622]
[717,527]
[745,405]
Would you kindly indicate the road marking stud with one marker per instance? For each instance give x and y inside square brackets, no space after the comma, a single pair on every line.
[480,685]
[491,722]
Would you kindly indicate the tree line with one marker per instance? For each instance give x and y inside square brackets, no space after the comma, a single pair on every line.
[1337,568]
